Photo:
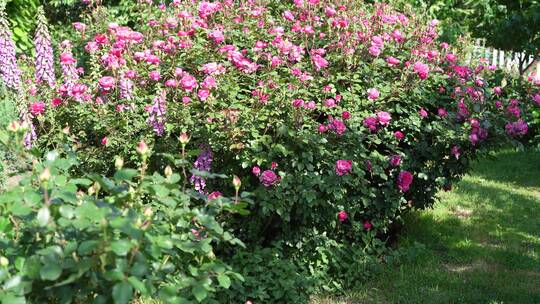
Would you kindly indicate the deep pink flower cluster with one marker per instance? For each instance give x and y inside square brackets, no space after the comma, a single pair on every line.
[381,118]
[517,128]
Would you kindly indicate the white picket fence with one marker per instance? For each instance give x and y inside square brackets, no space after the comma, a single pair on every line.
[505,60]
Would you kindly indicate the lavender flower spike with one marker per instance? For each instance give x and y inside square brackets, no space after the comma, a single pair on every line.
[157,114]
[44,51]
[203,163]
[10,72]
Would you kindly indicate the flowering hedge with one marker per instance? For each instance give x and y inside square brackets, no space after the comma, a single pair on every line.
[338,118]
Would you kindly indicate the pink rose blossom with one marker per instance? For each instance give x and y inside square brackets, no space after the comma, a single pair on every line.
[456,152]
[214,195]
[154,75]
[342,216]
[399,135]
[536,98]
[268,178]
[343,167]
[404,180]
[373,94]
[421,69]
[256,170]
[189,83]
[367,225]
[395,160]
[297,103]
[384,118]
[37,108]
[392,61]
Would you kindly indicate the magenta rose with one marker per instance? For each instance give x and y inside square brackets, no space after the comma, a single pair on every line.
[268,178]
[404,180]
[343,167]
[342,216]
[37,108]
[395,160]
[107,83]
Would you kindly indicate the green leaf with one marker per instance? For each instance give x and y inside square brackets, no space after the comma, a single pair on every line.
[13,299]
[67,211]
[224,281]
[200,293]
[121,247]
[125,174]
[43,216]
[50,271]
[122,293]
[137,284]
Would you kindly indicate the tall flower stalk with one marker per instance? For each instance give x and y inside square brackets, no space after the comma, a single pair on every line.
[204,164]
[157,114]
[11,74]
[44,51]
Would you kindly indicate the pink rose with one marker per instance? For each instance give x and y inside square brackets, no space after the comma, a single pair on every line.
[154,75]
[404,180]
[268,178]
[37,108]
[297,103]
[423,113]
[214,195]
[442,112]
[384,118]
[392,61]
[343,167]
[399,135]
[56,102]
[203,94]
[456,152]
[256,170]
[536,99]
[451,57]
[319,62]
[104,141]
[373,94]
[189,83]
[342,216]
[370,122]
[421,69]
[395,160]
[367,225]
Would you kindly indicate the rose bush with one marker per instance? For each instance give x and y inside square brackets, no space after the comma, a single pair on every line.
[322,109]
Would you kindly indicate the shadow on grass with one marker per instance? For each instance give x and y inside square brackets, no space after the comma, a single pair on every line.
[520,168]
[488,254]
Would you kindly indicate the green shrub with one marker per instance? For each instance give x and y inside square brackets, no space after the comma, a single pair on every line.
[103,239]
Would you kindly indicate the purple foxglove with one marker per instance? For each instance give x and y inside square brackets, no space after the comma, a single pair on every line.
[157,114]
[203,163]
[10,72]
[44,51]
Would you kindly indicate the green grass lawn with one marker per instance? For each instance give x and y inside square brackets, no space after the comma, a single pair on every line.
[482,242]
